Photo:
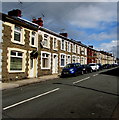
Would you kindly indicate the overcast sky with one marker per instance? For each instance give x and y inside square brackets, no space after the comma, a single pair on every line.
[92,23]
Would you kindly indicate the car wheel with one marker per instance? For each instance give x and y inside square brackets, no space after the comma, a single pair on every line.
[75,74]
[86,71]
[91,71]
[82,72]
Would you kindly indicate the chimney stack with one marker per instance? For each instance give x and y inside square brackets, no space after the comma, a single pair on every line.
[64,34]
[38,21]
[15,13]
[91,46]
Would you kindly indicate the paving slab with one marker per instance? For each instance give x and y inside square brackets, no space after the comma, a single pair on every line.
[22,82]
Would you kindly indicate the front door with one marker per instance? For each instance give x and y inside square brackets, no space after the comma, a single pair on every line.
[33,68]
[55,64]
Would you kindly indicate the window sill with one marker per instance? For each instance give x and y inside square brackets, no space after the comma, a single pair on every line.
[55,49]
[45,68]
[21,43]
[63,49]
[33,46]
[62,66]
[15,71]
[46,47]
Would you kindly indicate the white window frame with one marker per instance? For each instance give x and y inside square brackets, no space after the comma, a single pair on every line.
[21,35]
[78,49]
[82,60]
[64,59]
[23,60]
[82,51]
[68,61]
[48,41]
[68,46]
[35,39]
[74,48]
[64,45]
[78,59]
[75,58]
[55,48]
[85,51]
[49,65]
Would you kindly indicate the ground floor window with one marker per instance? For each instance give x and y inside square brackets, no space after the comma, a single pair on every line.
[73,59]
[68,59]
[45,60]
[63,60]
[82,60]
[16,60]
[78,59]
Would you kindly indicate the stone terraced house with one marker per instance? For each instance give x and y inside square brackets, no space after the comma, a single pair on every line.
[28,50]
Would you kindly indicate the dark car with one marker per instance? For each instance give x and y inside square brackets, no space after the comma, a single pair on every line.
[106,66]
[72,69]
[87,68]
[100,66]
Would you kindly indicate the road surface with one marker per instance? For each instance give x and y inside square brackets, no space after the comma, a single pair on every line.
[93,95]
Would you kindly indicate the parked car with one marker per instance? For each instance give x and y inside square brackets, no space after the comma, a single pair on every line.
[100,66]
[114,65]
[94,66]
[106,66]
[87,68]
[72,69]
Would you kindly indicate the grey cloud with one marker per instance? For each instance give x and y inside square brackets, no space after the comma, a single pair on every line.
[63,15]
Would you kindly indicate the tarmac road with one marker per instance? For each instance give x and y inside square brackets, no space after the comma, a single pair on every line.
[93,95]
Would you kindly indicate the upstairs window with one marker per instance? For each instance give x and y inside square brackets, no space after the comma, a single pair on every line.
[17,34]
[68,46]
[78,49]
[74,48]
[46,41]
[55,45]
[33,38]
[63,45]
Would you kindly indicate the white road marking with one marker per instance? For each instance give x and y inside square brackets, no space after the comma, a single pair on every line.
[81,80]
[51,91]
[95,75]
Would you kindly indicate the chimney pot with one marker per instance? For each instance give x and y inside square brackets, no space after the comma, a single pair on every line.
[39,21]
[34,19]
[40,18]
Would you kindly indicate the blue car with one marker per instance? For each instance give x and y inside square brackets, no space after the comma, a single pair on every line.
[73,69]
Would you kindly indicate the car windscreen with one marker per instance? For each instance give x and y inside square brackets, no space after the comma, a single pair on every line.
[91,64]
[70,66]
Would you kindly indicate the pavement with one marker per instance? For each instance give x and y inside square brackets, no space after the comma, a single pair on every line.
[14,84]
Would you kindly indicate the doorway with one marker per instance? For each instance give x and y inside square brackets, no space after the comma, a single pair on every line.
[33,68]
[55,64]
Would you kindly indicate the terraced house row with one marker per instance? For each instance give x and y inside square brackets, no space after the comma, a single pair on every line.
[29,50]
